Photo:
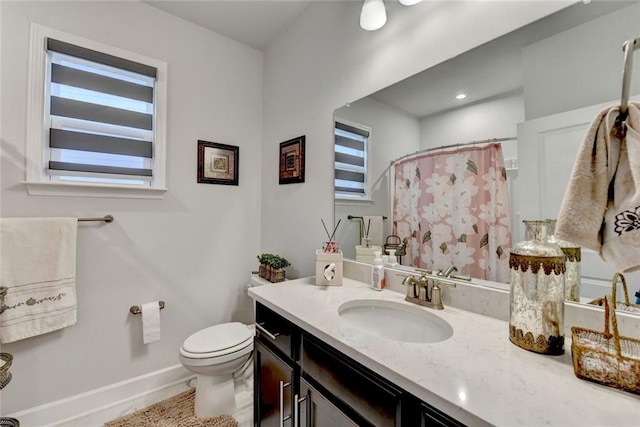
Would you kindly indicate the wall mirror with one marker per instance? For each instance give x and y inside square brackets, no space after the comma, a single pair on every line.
[535,90]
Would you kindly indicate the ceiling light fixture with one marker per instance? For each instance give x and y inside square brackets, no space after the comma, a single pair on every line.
[373,15]
[409,2]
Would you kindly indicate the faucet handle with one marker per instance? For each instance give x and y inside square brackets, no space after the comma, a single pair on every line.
[436,293]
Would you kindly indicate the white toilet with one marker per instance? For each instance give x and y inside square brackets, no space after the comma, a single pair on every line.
[215,354]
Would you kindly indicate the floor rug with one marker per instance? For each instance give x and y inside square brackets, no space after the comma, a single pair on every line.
[173,412]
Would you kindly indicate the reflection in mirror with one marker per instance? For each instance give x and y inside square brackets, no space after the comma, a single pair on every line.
[542,84]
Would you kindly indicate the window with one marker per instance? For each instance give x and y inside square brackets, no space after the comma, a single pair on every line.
[351,141]
[96,119]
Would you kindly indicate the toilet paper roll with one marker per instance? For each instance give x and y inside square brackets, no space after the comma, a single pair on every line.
[150,322]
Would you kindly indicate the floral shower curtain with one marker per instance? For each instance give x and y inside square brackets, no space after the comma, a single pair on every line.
[454,209]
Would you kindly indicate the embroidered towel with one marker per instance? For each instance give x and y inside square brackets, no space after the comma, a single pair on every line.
[375,228]
[601,206]
[38,266]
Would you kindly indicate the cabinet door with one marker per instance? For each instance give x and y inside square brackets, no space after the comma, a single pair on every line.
[277,331]
[373,400]
[314,410]
[273,389]
[431,417]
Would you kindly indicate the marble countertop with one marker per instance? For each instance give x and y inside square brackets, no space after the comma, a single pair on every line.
[477,375]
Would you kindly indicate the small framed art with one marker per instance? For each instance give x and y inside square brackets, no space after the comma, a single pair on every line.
[217,163]
[292,160]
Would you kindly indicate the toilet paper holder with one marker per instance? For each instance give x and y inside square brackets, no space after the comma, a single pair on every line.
[135,309]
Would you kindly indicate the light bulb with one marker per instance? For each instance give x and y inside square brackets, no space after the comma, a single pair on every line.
[409,2]
[373,15]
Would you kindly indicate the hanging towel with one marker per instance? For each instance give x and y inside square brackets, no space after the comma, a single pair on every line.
[601,206]
[38,266]
[375,229]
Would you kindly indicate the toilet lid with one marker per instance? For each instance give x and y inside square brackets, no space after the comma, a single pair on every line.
[217,338]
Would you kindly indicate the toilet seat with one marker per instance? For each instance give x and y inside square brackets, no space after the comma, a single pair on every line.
[228,339]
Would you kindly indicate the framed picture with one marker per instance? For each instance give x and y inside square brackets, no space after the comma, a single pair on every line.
[217,163]
[292,161]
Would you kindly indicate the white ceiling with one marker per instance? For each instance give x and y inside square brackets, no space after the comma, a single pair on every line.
[252,22]
[486,72]
[489,71]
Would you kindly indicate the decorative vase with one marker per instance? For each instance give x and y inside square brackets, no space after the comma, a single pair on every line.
[536,315]
[573,256]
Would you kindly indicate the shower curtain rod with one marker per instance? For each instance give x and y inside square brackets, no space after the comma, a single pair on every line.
[442,147]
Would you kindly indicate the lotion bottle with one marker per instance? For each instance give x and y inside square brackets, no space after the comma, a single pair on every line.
[377,273]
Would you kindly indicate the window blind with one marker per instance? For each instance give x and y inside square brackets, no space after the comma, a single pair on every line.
[350,159]
[101,112]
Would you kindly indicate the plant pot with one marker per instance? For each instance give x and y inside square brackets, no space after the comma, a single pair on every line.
[276,275]
[264,271]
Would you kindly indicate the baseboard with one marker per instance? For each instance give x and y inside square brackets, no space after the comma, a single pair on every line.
[97,406]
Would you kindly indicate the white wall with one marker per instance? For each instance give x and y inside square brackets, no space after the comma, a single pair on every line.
[580,67]
[394,133]
[325,60]
[496,118]
[194,249]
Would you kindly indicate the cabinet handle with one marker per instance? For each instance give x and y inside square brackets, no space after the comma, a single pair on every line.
[296,410]
[267,333]
[281,399]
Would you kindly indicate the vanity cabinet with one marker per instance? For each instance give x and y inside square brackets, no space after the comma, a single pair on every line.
[300,381]
[364,398]
[317,410]
[274,378]
[275,369]
[431,417]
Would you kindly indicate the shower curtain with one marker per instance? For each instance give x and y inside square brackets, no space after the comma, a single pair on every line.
[454,209]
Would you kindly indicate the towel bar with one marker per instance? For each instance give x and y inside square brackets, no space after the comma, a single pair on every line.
[106,218]
[135,309]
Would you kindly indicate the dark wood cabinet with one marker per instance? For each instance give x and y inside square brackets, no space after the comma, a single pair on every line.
[315,410]
[431,417]
[301,381]
[367,398]
[274,379]
[275,368]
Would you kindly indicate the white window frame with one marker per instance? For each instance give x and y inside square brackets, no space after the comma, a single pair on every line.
[344,198]
[37,179]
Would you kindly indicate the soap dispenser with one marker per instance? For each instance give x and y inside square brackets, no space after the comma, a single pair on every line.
[377,273]
[392,262]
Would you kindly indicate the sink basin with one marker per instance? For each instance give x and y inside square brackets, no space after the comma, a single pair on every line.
[395,321]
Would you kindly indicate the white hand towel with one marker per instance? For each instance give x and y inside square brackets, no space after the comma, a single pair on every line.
[38,266]
[150,322]
[375,228]
[601,207]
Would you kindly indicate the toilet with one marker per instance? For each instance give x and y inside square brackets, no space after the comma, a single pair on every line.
[216,354]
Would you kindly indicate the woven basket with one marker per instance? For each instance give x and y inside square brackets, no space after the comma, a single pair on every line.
[607,358]
[625,305]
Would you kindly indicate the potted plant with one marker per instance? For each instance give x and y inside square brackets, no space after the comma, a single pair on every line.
[272,267]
